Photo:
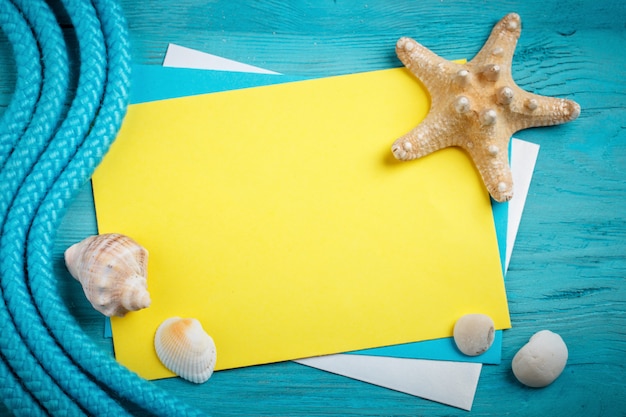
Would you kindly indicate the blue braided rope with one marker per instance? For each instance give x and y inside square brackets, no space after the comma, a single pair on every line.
[126,384]
[50,107]
[23,364]
[85,392]
[15,396]
[114,380]
[45,389]
[12,125]
[120,382]
[29,78]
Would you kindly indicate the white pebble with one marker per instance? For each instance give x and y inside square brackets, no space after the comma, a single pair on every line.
[473,334]
[540,361]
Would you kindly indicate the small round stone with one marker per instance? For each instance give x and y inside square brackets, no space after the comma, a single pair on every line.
[473,334]
[540,361]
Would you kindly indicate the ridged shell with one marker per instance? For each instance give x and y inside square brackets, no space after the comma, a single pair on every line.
[112,269]
[186,349]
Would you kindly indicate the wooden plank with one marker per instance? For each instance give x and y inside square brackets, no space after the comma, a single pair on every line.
[568,269]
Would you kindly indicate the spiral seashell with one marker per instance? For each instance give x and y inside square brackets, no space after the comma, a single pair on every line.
[186,349]
[112,269]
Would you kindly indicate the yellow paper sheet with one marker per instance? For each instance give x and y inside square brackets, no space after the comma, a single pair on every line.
[278,217]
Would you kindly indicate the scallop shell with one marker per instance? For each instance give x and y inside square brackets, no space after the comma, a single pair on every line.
[112,269]
[186,349]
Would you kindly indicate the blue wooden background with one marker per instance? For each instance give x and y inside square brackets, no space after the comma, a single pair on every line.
[568,270]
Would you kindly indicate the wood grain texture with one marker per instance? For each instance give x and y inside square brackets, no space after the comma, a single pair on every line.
[568,270]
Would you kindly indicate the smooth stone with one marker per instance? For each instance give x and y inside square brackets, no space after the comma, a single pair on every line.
[540,361]
[474,333]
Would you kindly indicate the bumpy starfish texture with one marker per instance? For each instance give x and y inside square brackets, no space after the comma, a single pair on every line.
[477,106]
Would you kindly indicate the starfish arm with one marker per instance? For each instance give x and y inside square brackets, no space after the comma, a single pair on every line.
[431,69]
[432,134]
[495,170]
[533,110]
[477,106]
[500,46]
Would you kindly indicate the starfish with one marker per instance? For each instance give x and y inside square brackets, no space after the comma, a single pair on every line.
[477,106]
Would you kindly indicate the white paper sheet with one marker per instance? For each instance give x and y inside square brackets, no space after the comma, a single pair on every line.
[447,382]
[523,158]
[450,383]
[181,57]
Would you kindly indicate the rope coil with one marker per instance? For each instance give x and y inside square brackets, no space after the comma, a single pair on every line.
[46,155]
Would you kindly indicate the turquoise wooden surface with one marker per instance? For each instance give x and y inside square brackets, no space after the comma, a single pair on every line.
[568,270]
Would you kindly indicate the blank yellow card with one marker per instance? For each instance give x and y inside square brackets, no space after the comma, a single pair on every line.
[278,217]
